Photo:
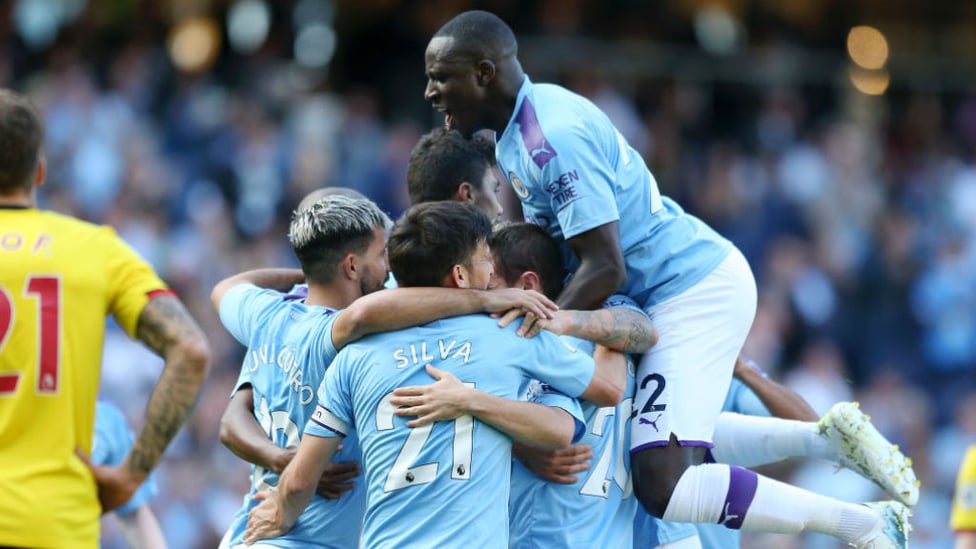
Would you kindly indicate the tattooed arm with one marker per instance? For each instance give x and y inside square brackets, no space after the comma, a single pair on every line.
[165,327]
[619,329]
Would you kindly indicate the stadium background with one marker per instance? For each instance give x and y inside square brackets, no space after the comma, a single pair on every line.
[833,141]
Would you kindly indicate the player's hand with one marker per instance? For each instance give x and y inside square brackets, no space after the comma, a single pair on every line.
[115,484]
[266,520]
[283,458]
[559,466]
[442,400]
[514,302]
[559,323]
[337,479]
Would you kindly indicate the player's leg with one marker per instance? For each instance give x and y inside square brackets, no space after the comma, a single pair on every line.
[701,333]
[683,380]
[844,436]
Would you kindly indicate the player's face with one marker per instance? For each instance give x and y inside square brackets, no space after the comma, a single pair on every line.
[486,196]
[452,86]
[376,267]
[496,282]
[479,267]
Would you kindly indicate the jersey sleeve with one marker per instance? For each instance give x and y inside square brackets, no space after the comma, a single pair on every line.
[743,400]
[619,301]
[579,182]
[541,393]
[333,413]
[559,364]
[963,517]
[132,279]
[243,307]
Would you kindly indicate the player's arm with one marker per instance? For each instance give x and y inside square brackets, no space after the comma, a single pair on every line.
[271,279]
[781,401]
[559,466]
[601,271]
[242,435]
[280,507]
[448,398]
[141,529]
[398,308]
[167,328]
[609,378]
[617,328]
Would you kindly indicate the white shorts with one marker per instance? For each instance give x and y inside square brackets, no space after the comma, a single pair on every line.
[683,380]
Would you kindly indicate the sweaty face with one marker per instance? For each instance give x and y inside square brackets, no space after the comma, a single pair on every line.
[376,267]
[452,86]
[486,195]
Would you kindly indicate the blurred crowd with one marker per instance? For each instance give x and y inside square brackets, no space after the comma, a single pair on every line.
[857,212]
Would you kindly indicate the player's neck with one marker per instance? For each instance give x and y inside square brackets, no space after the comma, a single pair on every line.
[334,296]
[17,200]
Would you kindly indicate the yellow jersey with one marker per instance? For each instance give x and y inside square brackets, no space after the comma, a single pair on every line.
[963,518]
[59,278]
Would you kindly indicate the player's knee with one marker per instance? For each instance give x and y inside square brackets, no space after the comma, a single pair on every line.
[653,488]
[653,497]
[656,472]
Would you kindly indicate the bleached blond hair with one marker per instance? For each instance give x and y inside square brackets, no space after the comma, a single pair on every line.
[323,233]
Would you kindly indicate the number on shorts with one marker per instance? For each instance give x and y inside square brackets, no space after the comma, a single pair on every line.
[47,291]
[404,473]
[598,482]
[649,406]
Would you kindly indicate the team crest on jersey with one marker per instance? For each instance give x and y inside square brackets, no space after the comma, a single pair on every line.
[517,184]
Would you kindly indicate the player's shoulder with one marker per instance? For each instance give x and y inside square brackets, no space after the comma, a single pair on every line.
[80,226]
[968,467]
[558,106]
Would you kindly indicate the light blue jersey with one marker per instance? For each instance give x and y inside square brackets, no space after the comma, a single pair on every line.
[446,484]
[598,510]
[111,444]
[650,532]
[573,171]
[289,348]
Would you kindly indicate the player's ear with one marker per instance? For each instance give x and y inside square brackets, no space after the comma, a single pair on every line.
[464,193]
[529,280]
[350,266]
[41,174]
[459,277]
[486,71]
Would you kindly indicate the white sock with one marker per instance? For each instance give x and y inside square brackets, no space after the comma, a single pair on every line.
[740,498]
[749,441]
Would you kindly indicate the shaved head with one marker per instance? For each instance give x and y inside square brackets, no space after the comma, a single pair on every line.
[479,35]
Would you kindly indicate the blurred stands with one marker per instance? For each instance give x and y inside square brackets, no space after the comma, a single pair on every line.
[840,163]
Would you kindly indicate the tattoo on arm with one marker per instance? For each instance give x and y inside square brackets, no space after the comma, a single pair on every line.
[167,328]
[614,328]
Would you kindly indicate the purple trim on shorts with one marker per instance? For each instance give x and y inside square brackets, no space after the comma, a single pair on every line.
[535,142]
[657,443]
[742,490]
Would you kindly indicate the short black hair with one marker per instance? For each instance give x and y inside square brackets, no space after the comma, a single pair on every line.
[520,247]
[442,160]
[431,237]
[21,137]
[478,34]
